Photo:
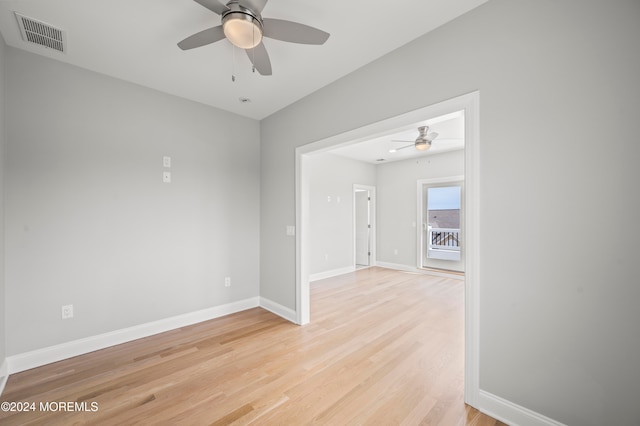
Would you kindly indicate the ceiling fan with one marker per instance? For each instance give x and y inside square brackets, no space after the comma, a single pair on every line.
[244,26]
[422,142]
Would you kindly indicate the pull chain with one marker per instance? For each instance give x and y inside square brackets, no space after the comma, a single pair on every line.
[253,50]
[233,63]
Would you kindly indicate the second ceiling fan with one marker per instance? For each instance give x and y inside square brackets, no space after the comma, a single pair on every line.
[244,26]
[422,142]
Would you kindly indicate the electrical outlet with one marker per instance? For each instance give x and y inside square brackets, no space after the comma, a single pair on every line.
[166,162]
[227,281]
[67,311]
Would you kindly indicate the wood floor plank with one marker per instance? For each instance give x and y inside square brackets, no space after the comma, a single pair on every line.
[383,347]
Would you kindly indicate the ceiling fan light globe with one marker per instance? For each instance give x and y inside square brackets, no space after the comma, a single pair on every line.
[422,146]
[242,30]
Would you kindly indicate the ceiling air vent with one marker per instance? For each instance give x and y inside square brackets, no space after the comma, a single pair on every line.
[38,32]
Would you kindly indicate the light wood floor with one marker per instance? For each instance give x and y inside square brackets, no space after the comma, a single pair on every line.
[383,348]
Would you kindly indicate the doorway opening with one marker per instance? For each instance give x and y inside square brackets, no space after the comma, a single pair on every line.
[364,226]
[441,216]
[468,103]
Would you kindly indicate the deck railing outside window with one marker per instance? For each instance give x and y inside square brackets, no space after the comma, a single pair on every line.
[444,239]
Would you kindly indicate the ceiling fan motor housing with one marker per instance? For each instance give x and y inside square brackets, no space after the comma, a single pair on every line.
[242,26]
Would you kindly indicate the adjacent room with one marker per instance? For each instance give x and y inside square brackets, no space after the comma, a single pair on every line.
[284,212]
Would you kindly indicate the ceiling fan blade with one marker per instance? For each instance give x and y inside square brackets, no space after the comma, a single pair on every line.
[293,32]
[405,147]
[255,5]
[213,5]
[402,141]
[208,36]
[431,136]
[260,59]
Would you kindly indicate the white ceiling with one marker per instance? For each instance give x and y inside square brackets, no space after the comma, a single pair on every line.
[450,129]
[135,40]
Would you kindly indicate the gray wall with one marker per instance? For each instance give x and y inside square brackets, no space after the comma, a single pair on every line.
[559,92]
[89,221]
[331,222]
[2,172]
[397,203]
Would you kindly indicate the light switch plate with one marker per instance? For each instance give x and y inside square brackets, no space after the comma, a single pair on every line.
[291,230]
[166,177]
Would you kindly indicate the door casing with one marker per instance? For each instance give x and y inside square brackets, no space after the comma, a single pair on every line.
[470,103]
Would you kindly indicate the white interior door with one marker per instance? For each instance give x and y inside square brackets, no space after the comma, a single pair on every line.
[362,227]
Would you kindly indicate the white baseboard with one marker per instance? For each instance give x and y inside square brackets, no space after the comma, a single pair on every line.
[331,273]
[398,266]
[278,309]
[407,268]
[4,375]
[39,357]
[510,413]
